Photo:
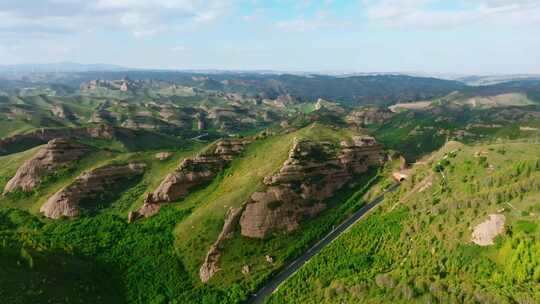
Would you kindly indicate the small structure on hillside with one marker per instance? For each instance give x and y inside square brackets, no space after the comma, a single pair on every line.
[399,176]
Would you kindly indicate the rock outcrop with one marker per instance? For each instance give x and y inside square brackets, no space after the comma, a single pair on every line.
[87,186]
[311,174]
[163,155]
[485,232]
[124,85]
[329,106]
[62,112]
[201,122]
[210,265]
[368,116]
[57,153]
[191,173]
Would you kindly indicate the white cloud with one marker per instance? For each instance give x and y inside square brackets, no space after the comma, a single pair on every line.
[139,17]
[178,48]
[321,20]
[425,14]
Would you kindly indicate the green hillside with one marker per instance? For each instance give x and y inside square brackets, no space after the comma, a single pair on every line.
[416,247]
[198,188]
[158,258]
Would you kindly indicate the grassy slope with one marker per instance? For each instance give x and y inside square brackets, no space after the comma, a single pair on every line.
[416,247]
[167,250]
[152,270]
[132,198]
[11,163]
[415,133]
[12,127]
[502,100]
[32,201]
[195,235]
[103,259]
[234,187]
[231,189]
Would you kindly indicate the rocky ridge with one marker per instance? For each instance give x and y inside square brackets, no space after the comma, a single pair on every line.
[191,173]
[90,184]
[311,174]
[57,153]
[42,136]
[210,267]
[368,116]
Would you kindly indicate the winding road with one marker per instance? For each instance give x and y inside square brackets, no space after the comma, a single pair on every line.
[290,269]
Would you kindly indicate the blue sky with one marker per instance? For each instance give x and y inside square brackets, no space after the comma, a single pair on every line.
[434,36]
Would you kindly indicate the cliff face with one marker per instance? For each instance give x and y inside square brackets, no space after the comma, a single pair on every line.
[91,184]
[368,116]
[57,153]
[191,173]
[311,174]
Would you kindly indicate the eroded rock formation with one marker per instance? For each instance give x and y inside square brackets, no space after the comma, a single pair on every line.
[20,142]
[191,173]
[368,116]
[57,153]
[62,112]
[89,185]
[311,174]
[163,155]
[210,265]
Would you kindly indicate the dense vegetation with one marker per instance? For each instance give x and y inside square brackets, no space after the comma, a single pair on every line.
[415,133]
[154,260]
[417,247]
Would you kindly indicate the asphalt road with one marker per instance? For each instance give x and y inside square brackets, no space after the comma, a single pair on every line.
[290,269]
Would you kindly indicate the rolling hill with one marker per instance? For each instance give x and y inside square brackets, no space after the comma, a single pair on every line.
[201,188]
[420,245]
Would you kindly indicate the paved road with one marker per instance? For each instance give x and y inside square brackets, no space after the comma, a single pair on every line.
[288,271]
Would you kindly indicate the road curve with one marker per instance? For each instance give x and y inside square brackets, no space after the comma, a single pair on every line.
[290,269]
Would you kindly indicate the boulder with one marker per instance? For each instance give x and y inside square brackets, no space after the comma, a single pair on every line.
[485,232]
[163,155]
[87,186]
[57,153]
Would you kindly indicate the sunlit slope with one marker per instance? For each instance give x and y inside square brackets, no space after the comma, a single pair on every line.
[417,247]
[54,181]
[10,164]
[236,184]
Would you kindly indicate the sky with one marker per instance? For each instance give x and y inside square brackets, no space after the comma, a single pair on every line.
[424,36]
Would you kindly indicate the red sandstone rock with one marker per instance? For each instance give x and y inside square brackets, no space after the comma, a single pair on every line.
[210,266]
[311,174]
[66,202]
[57,153]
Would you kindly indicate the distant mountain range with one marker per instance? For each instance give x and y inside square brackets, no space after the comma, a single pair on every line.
[496,79]
[59,67]
[63,72]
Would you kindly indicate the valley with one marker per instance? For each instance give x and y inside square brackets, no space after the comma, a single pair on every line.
[166,187]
